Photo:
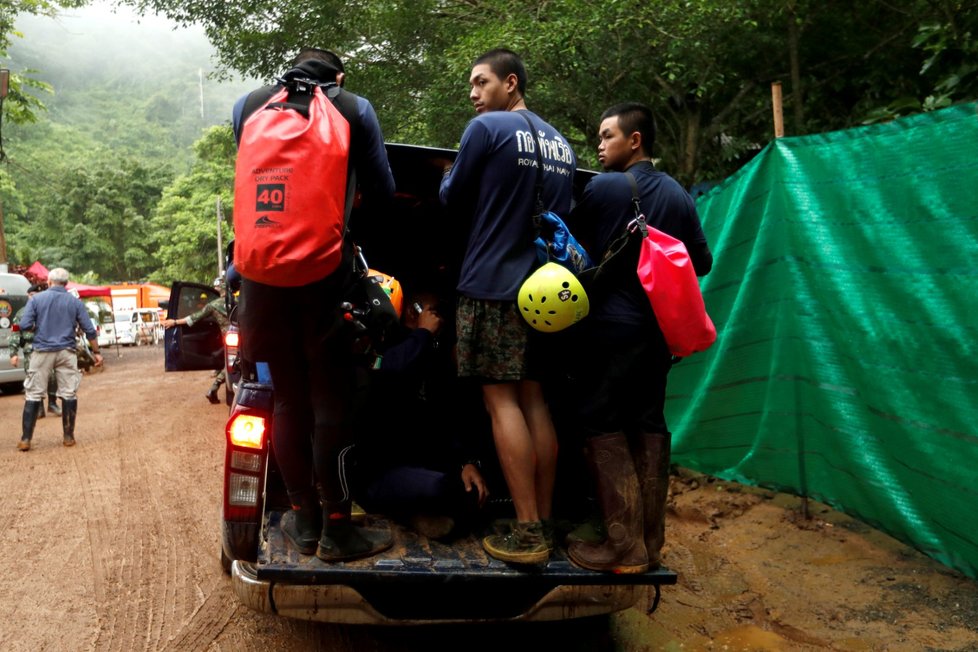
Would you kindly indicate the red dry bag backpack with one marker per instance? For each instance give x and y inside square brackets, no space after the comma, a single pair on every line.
[666,273]
[290,182]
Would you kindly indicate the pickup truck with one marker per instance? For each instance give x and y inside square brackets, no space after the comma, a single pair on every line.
[417,581]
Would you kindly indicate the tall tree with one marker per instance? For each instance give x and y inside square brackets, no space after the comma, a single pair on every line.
[704,66]
[184,222]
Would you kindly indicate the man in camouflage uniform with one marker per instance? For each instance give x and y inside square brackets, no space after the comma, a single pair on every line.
[21,345]
[217,311]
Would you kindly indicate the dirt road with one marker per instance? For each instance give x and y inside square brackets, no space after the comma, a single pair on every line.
[113,545]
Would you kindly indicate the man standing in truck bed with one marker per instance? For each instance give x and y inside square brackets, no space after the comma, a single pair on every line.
[290,319]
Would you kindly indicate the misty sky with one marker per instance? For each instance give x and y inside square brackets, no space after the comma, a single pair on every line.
[83,40]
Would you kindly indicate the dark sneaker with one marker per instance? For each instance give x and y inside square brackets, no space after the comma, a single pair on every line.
[524,544]
[304,536]
[348,542]
[69,440]
[212,396]
[53,409]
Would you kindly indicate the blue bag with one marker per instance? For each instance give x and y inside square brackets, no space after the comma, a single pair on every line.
[555,243]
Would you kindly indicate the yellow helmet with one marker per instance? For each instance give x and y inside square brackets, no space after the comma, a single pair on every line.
[552,299]
[392,287]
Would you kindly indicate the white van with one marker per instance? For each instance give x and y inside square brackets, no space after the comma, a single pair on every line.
[139,326]
[147,327]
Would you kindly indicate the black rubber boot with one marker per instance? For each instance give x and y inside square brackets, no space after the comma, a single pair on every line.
[212,394]
[31,410]
[342,540]
[53,405]
[69,411]
[303,524]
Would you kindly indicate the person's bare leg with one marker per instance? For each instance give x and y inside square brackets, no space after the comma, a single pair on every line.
[544,438]
[514,447]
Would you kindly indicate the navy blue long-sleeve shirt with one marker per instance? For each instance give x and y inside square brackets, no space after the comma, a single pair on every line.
[53,315]
[493,182]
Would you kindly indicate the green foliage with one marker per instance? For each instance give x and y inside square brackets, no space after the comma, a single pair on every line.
[95,218]
[185,220]
[81,183]
[21,106]
[705,67]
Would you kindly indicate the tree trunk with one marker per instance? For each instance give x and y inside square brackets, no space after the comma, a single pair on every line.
[690,159]
[797,92]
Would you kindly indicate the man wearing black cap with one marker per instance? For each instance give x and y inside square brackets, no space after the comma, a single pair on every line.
[296,328]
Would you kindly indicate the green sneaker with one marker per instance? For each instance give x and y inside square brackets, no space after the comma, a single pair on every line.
[592,531]
[357,514]
[548,533]
[524,544]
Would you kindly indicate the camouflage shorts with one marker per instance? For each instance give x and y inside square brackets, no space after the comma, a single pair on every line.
[492,340]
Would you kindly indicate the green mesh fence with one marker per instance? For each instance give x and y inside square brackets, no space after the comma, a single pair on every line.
[844,295]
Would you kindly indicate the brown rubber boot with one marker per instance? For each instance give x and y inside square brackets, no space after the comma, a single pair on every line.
[651,453]
[623,551]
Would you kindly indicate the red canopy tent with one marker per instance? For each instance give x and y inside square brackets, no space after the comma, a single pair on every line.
[37,273]
[40,275]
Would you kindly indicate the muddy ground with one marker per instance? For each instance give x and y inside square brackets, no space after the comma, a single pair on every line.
[113,545]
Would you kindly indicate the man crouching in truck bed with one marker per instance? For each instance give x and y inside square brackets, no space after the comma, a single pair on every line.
[291,182]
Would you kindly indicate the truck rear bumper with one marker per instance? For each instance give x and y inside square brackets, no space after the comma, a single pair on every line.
[420,581]
[339,603]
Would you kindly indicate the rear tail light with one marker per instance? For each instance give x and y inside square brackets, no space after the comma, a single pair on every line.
[243,490]
[245,463]
[15,328]
[247,431]
[231,339]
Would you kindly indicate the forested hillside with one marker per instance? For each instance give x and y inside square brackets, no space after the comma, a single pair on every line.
[127,102]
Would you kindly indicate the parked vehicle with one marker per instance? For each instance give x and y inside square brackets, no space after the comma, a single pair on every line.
[13,297]
[147,326]
[417,581]
[122,321]
[100,310]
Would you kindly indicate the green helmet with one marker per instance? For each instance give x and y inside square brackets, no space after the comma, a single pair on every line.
[552,299]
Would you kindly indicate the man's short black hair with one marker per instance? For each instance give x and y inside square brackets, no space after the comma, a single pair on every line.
[633,117]
[37,287]
[504,63]
[331,59]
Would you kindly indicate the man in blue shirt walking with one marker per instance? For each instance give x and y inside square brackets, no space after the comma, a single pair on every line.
[53,315]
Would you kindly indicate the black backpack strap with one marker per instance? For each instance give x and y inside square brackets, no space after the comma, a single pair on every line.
[639,223]
[255,100]
[538,205]
[620,256]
